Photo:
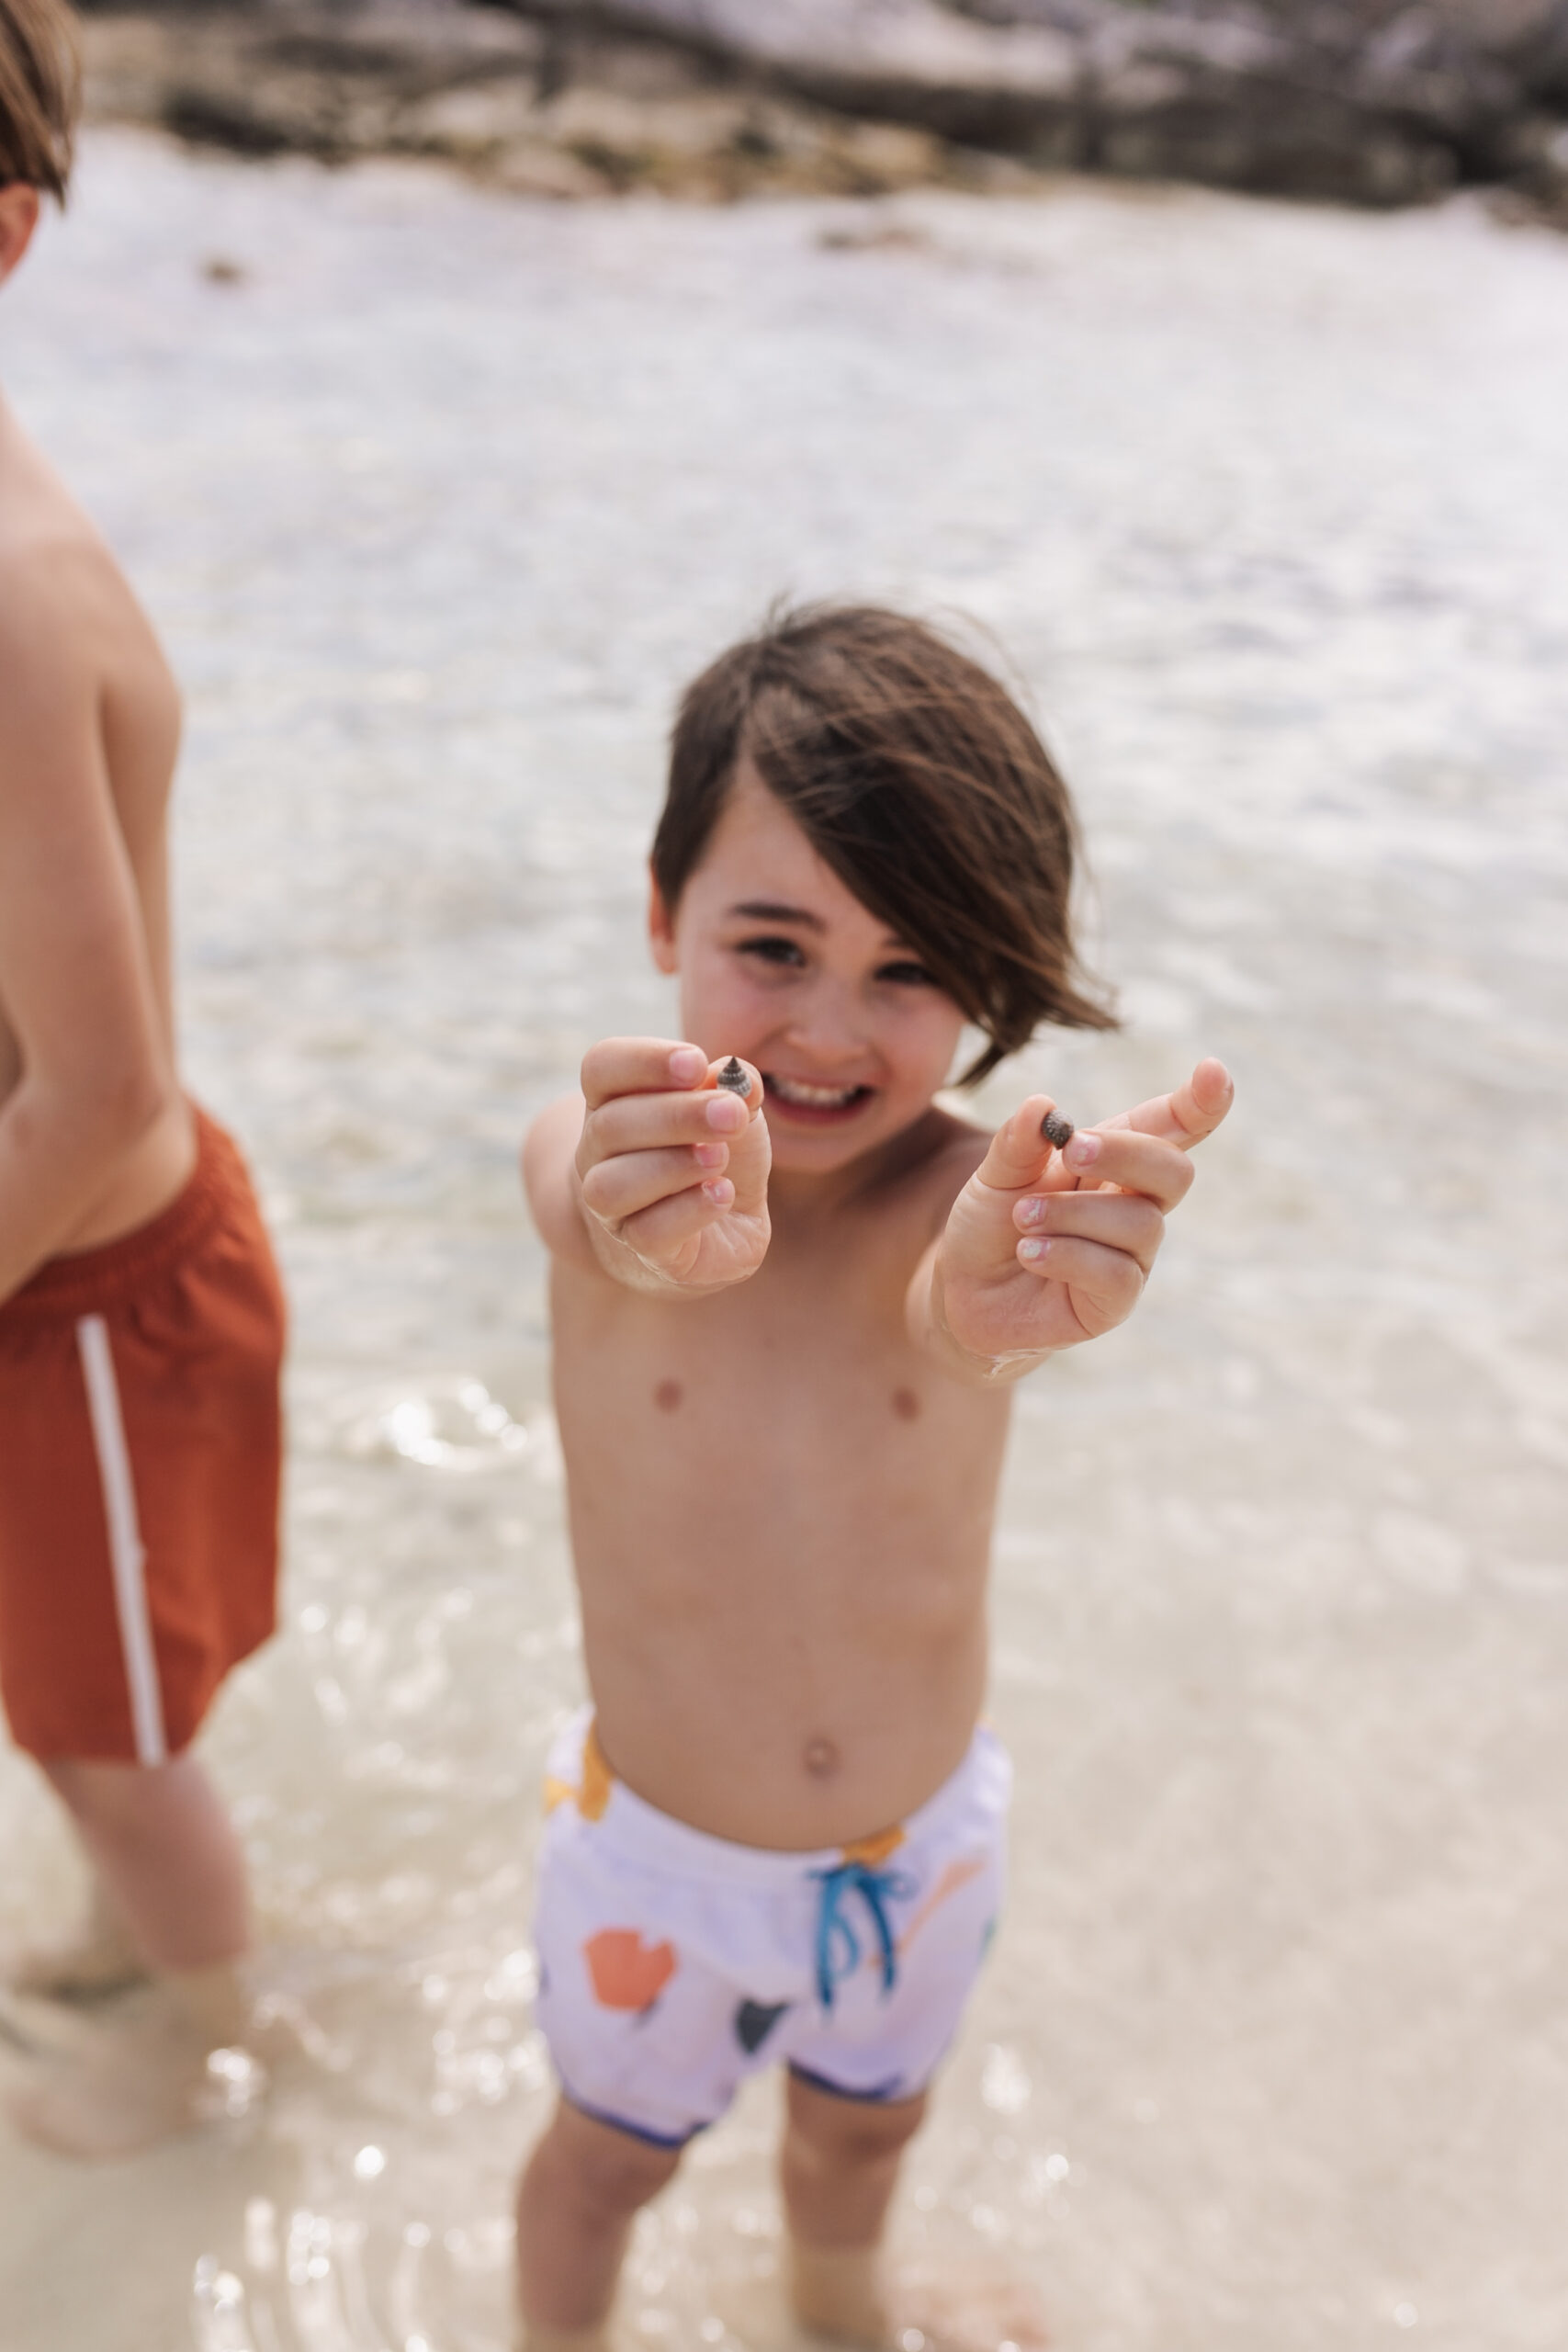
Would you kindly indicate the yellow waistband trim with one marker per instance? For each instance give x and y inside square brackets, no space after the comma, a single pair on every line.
[593,1794]
[593,1797]
[873,1849]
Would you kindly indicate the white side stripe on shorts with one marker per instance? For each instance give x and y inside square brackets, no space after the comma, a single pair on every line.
[127,1559]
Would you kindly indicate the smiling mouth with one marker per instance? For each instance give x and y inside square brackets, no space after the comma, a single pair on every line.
[828,1101]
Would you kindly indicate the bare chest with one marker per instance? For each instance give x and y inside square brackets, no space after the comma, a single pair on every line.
[800,1389]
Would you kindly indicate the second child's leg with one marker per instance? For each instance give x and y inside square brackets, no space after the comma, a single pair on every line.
[839,2168]
[581,2190]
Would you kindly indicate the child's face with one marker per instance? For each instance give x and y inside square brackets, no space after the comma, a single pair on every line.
[780,964]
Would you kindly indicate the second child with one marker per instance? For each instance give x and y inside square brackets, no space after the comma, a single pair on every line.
[790,1309]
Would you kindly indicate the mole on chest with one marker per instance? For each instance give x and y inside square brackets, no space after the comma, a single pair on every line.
[668,1396]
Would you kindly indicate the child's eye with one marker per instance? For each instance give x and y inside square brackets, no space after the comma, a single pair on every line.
[906,975]
[772,950]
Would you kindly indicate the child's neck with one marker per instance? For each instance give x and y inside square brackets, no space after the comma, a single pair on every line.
[799,1198]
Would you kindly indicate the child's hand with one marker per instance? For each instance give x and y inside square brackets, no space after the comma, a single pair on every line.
[1043,1248]
[671,1169]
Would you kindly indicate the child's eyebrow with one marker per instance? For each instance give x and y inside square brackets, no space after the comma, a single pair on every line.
[772,911]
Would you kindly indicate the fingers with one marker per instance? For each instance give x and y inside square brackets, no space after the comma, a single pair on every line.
[639,1065]
[619,1187]
[659,1127]
[1106,1283]
[660,1122]
[1147,1164]
[1019,1151]
[1185,1116]
[1129,1223]
[658,1233]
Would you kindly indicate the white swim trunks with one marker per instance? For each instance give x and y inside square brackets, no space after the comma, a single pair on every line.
[673,1963]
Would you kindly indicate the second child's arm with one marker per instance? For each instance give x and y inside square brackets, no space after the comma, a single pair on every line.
[655,1175]
[1042,1249]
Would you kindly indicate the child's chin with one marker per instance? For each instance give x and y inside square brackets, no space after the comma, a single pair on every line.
[823,1143]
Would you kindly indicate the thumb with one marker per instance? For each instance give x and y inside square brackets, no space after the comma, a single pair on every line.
[1019,1148]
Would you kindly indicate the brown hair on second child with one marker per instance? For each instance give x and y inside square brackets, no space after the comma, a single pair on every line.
[918,780]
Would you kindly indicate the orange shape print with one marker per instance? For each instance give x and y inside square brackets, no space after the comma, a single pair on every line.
[627,1973]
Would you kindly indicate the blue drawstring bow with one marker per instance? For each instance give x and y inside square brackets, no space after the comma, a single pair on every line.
[838,1946]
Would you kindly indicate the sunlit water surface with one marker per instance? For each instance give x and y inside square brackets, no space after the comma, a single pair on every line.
[436,505]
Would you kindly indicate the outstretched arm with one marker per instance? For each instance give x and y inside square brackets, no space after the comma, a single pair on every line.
[655,1175]
[1045,1249]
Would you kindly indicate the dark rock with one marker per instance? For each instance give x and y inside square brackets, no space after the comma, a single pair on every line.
[1371,101]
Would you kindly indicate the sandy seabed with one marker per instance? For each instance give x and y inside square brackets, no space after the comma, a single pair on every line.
[437,496]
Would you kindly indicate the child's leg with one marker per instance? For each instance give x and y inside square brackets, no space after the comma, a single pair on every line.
[839,2168]
[98,1957]
[163,1846]
[581,2190]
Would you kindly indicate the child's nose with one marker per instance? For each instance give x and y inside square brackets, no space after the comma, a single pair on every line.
[828,1025]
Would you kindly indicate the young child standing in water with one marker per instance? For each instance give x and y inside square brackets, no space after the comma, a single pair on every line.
[787,1324]
[141,1318]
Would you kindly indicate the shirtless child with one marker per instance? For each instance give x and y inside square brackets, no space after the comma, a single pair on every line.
[141,1318]
[787,1324]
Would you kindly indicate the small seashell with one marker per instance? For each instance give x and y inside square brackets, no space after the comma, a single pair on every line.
[734,1079]
[1056,1129]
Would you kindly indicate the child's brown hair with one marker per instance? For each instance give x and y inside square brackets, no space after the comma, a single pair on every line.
[40,92]
[918,779]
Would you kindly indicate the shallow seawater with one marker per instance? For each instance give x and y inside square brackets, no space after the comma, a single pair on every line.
[436,504]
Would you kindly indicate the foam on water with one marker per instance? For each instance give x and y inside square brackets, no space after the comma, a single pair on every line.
[436,506]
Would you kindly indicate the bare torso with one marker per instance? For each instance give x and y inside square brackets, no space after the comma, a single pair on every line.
[48,546]
[781,1511]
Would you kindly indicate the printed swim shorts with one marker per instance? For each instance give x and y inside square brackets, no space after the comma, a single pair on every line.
[673,1963]
[139,1450]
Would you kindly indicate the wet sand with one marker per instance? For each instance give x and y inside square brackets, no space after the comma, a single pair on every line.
[437,496]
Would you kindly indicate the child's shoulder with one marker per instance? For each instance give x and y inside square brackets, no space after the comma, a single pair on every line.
[57,581]
[941,1154]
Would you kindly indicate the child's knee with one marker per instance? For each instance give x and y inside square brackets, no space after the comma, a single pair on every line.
[99,1793]
[600,2170]
[851,2131]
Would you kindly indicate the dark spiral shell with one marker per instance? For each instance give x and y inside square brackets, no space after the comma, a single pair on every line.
[1056,1130]
[733,1076]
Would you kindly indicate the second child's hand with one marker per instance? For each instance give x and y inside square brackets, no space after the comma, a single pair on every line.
[1045,1249]
[672,1171]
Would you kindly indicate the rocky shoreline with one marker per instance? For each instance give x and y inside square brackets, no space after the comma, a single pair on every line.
[1359,101]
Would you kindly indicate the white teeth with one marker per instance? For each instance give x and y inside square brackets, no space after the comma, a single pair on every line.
[812,1098]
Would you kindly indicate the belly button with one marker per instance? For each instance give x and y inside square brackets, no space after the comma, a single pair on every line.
[822,1759]
[667,1396]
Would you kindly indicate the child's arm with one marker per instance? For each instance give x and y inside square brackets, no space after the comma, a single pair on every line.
[1045,1249]
[656,1176]
[75,988]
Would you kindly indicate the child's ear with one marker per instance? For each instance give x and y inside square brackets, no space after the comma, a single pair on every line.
[19,219]
[660,929]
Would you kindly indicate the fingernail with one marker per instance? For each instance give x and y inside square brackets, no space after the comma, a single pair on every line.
[719,1190]
[1083,1152]
[727,1113]
[686,1063]
[1031,1251]
[710,1154]
[1032,1211]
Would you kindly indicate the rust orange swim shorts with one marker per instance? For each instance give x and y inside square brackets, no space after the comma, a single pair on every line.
[140,1455]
